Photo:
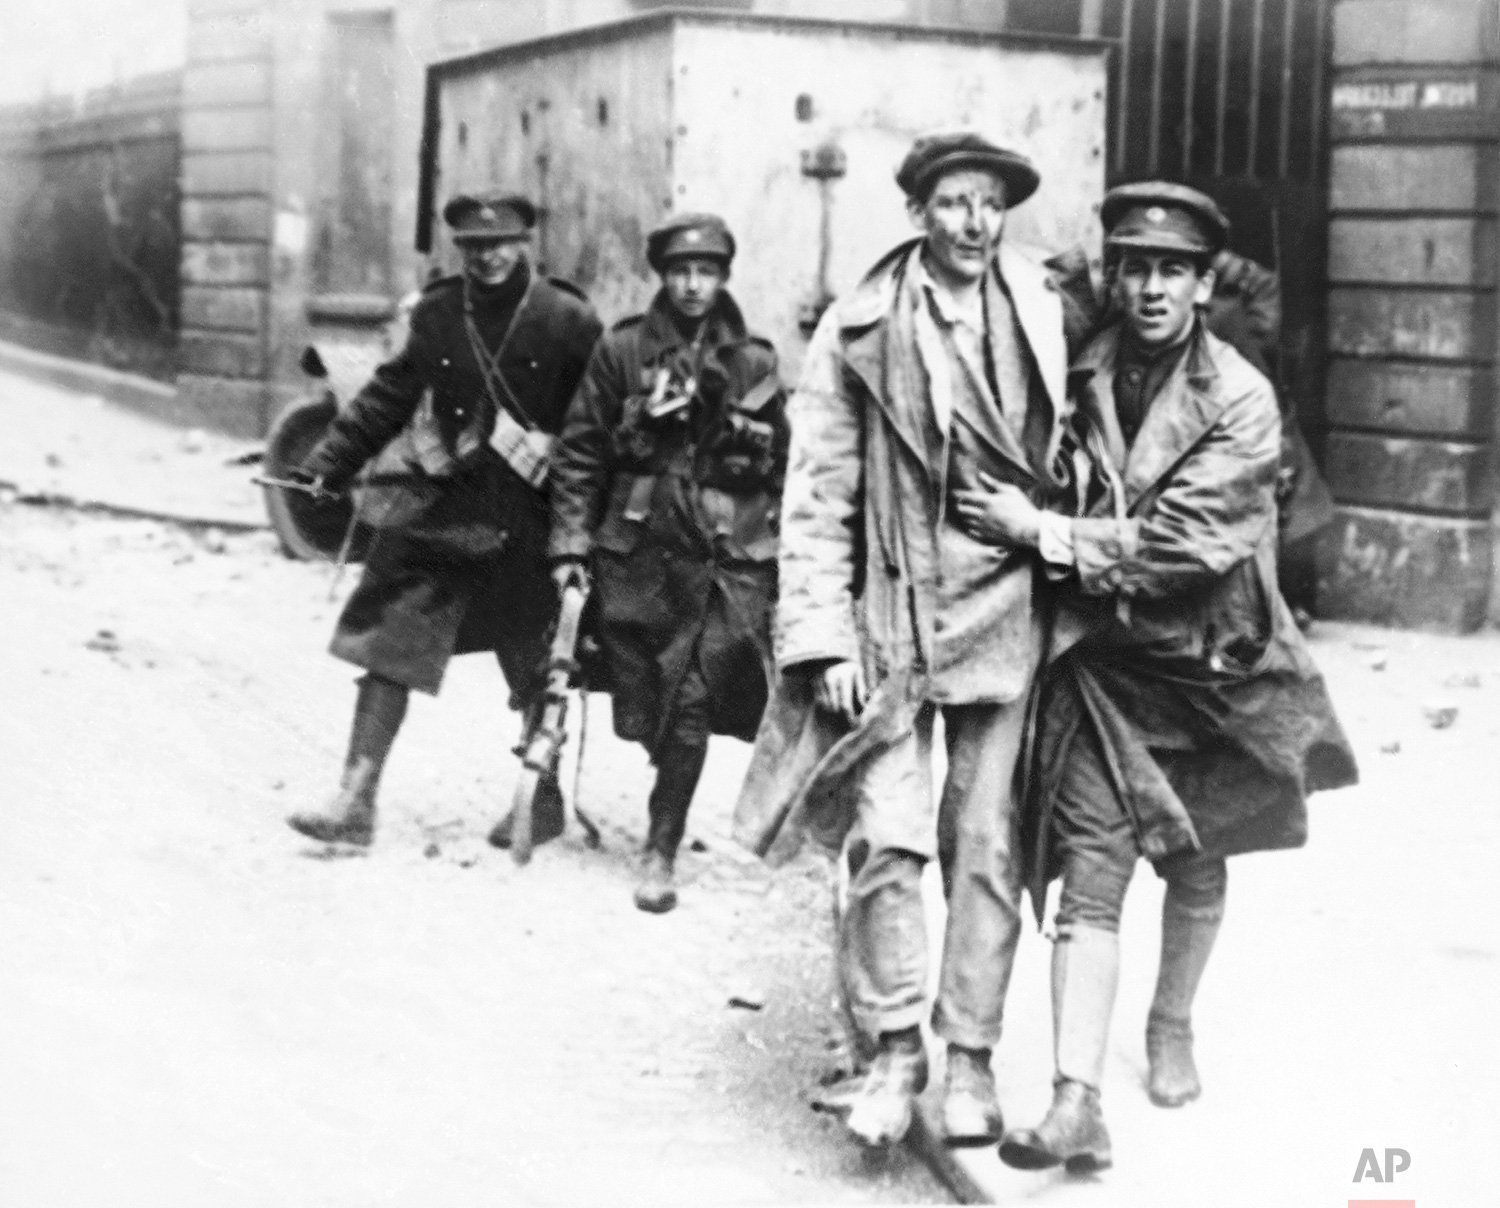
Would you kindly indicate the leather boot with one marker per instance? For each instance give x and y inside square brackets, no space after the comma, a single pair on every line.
[880,1111]
[1072,1134]
[678,769]
[1085,973]
[547,817]
[1187,940]
[971,1108]
[379,709]
[656,892]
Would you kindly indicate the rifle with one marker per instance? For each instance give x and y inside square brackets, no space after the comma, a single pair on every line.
[541,744]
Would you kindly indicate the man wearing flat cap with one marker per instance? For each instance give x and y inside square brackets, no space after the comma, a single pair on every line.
[462,420]
[668,485]
[937,378]
[1180,716]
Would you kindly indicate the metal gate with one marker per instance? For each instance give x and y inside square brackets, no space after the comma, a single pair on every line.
[1228,96]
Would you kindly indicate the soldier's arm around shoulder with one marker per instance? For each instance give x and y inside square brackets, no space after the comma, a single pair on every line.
[387,402]
[1248,286]
[1213,511]
[1082,299]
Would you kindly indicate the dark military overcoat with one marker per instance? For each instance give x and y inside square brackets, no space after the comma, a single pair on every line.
[459,562]
[678,513]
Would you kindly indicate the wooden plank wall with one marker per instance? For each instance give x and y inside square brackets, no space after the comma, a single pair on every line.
[1412,323]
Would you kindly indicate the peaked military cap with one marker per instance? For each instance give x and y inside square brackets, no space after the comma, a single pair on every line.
[689,235]
[476,217]
[934,154]
[1159,215]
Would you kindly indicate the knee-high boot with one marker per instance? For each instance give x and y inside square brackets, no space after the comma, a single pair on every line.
[1187,940]
[379,710]
[678,767]
[1085,973]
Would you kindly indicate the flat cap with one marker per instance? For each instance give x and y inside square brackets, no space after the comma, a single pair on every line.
[689,235]
[934,154]
[476,217]
[1159,215]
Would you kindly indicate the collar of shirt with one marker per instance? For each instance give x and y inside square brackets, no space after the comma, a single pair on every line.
[1140,374]
[946,308]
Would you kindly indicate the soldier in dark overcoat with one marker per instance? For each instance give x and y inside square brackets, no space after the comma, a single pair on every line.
[668,484]
[462,421]
[1181,717]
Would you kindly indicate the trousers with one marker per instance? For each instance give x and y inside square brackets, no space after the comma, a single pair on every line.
[1094,844]
[970,827]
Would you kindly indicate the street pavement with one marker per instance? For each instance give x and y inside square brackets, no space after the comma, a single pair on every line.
[81,446]
[202,1010]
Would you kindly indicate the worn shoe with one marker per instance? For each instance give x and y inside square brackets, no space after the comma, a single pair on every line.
[1173,1079]
[1072,1134]
[880,1111]
[350,816]
[547,817]
[971,1108]
[379,708]
[656,893]
[836,1094]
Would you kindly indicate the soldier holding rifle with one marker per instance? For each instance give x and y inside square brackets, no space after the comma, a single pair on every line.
[462,419]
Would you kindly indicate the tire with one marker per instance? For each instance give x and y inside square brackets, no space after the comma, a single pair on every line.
[309,529]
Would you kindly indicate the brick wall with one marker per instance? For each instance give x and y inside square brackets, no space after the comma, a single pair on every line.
[1412,269]
[227,184]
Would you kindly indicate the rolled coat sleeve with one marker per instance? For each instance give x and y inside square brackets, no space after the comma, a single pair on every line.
[1210,515]
[820,510]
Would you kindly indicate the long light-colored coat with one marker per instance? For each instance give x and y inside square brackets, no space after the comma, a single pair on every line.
[870,570]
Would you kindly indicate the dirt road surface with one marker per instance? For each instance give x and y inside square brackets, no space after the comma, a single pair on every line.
[199,1012]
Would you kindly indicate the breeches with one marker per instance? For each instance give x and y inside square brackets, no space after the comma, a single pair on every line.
[971,828]
[1095,845]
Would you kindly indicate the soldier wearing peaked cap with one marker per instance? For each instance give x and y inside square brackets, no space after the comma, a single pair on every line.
[1180,717]
[668,484]
[461,421]
[940,376]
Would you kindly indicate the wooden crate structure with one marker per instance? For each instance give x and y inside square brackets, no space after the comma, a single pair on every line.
[790,128]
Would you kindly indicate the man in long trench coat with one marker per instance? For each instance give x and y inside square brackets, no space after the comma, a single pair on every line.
[938,377]
[1181,717]
[668,483]
[461,419]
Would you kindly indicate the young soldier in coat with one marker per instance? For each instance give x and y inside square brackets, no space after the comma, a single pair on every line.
[668,483]
[1182,718]
[465,413]
[935,379]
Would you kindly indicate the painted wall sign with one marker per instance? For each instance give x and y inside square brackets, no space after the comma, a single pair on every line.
[1416,103]
[1408,94]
